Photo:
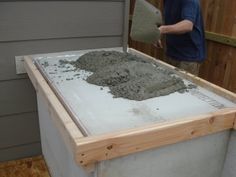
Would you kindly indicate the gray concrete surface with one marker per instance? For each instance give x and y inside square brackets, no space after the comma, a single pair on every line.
[230,162]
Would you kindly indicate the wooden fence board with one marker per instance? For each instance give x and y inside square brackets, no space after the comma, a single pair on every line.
[220,66]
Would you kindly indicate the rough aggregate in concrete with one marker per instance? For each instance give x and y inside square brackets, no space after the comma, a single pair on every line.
[128,76]
[97,60]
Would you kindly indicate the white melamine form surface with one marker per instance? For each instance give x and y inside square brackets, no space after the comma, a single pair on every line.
[97,112]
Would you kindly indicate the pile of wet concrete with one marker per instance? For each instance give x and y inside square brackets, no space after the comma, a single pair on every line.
[128,76]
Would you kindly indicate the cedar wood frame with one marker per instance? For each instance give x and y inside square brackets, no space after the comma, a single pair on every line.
[89,150]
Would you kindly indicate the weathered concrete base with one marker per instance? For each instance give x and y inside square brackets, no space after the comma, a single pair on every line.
[196,158]
[202,157]
[58,157]
[230,162]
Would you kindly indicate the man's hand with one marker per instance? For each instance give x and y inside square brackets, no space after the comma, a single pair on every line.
[162,29]
[158,44]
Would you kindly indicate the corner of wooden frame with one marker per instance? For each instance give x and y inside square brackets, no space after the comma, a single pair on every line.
[69,131]
[93,149]
[90,150]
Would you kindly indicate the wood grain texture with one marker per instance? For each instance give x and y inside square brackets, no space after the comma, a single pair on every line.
[17,96]
[58,19]
[220,38]
[63,121]
[219,68]
[89,150]
[220,65]
[28,167]
[104,147]
[19,129]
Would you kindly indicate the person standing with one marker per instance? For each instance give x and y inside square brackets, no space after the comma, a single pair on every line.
[185,37]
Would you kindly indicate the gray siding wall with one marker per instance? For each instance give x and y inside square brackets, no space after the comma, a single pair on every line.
[31,27]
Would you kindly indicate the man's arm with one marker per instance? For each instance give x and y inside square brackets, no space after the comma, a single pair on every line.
[181,27]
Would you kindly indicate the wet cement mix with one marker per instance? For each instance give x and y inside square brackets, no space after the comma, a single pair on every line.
[128,76]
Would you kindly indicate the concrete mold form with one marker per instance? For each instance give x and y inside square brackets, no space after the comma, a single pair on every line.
[170,143]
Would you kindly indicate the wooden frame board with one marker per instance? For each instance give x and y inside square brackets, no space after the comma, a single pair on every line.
[92,149]
[64,122]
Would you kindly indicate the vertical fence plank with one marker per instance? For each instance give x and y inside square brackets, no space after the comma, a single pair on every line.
[220,65]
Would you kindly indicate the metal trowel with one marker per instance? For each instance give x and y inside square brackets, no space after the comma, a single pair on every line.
[145,22]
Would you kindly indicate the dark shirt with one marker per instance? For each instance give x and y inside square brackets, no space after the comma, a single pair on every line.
[189,46]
